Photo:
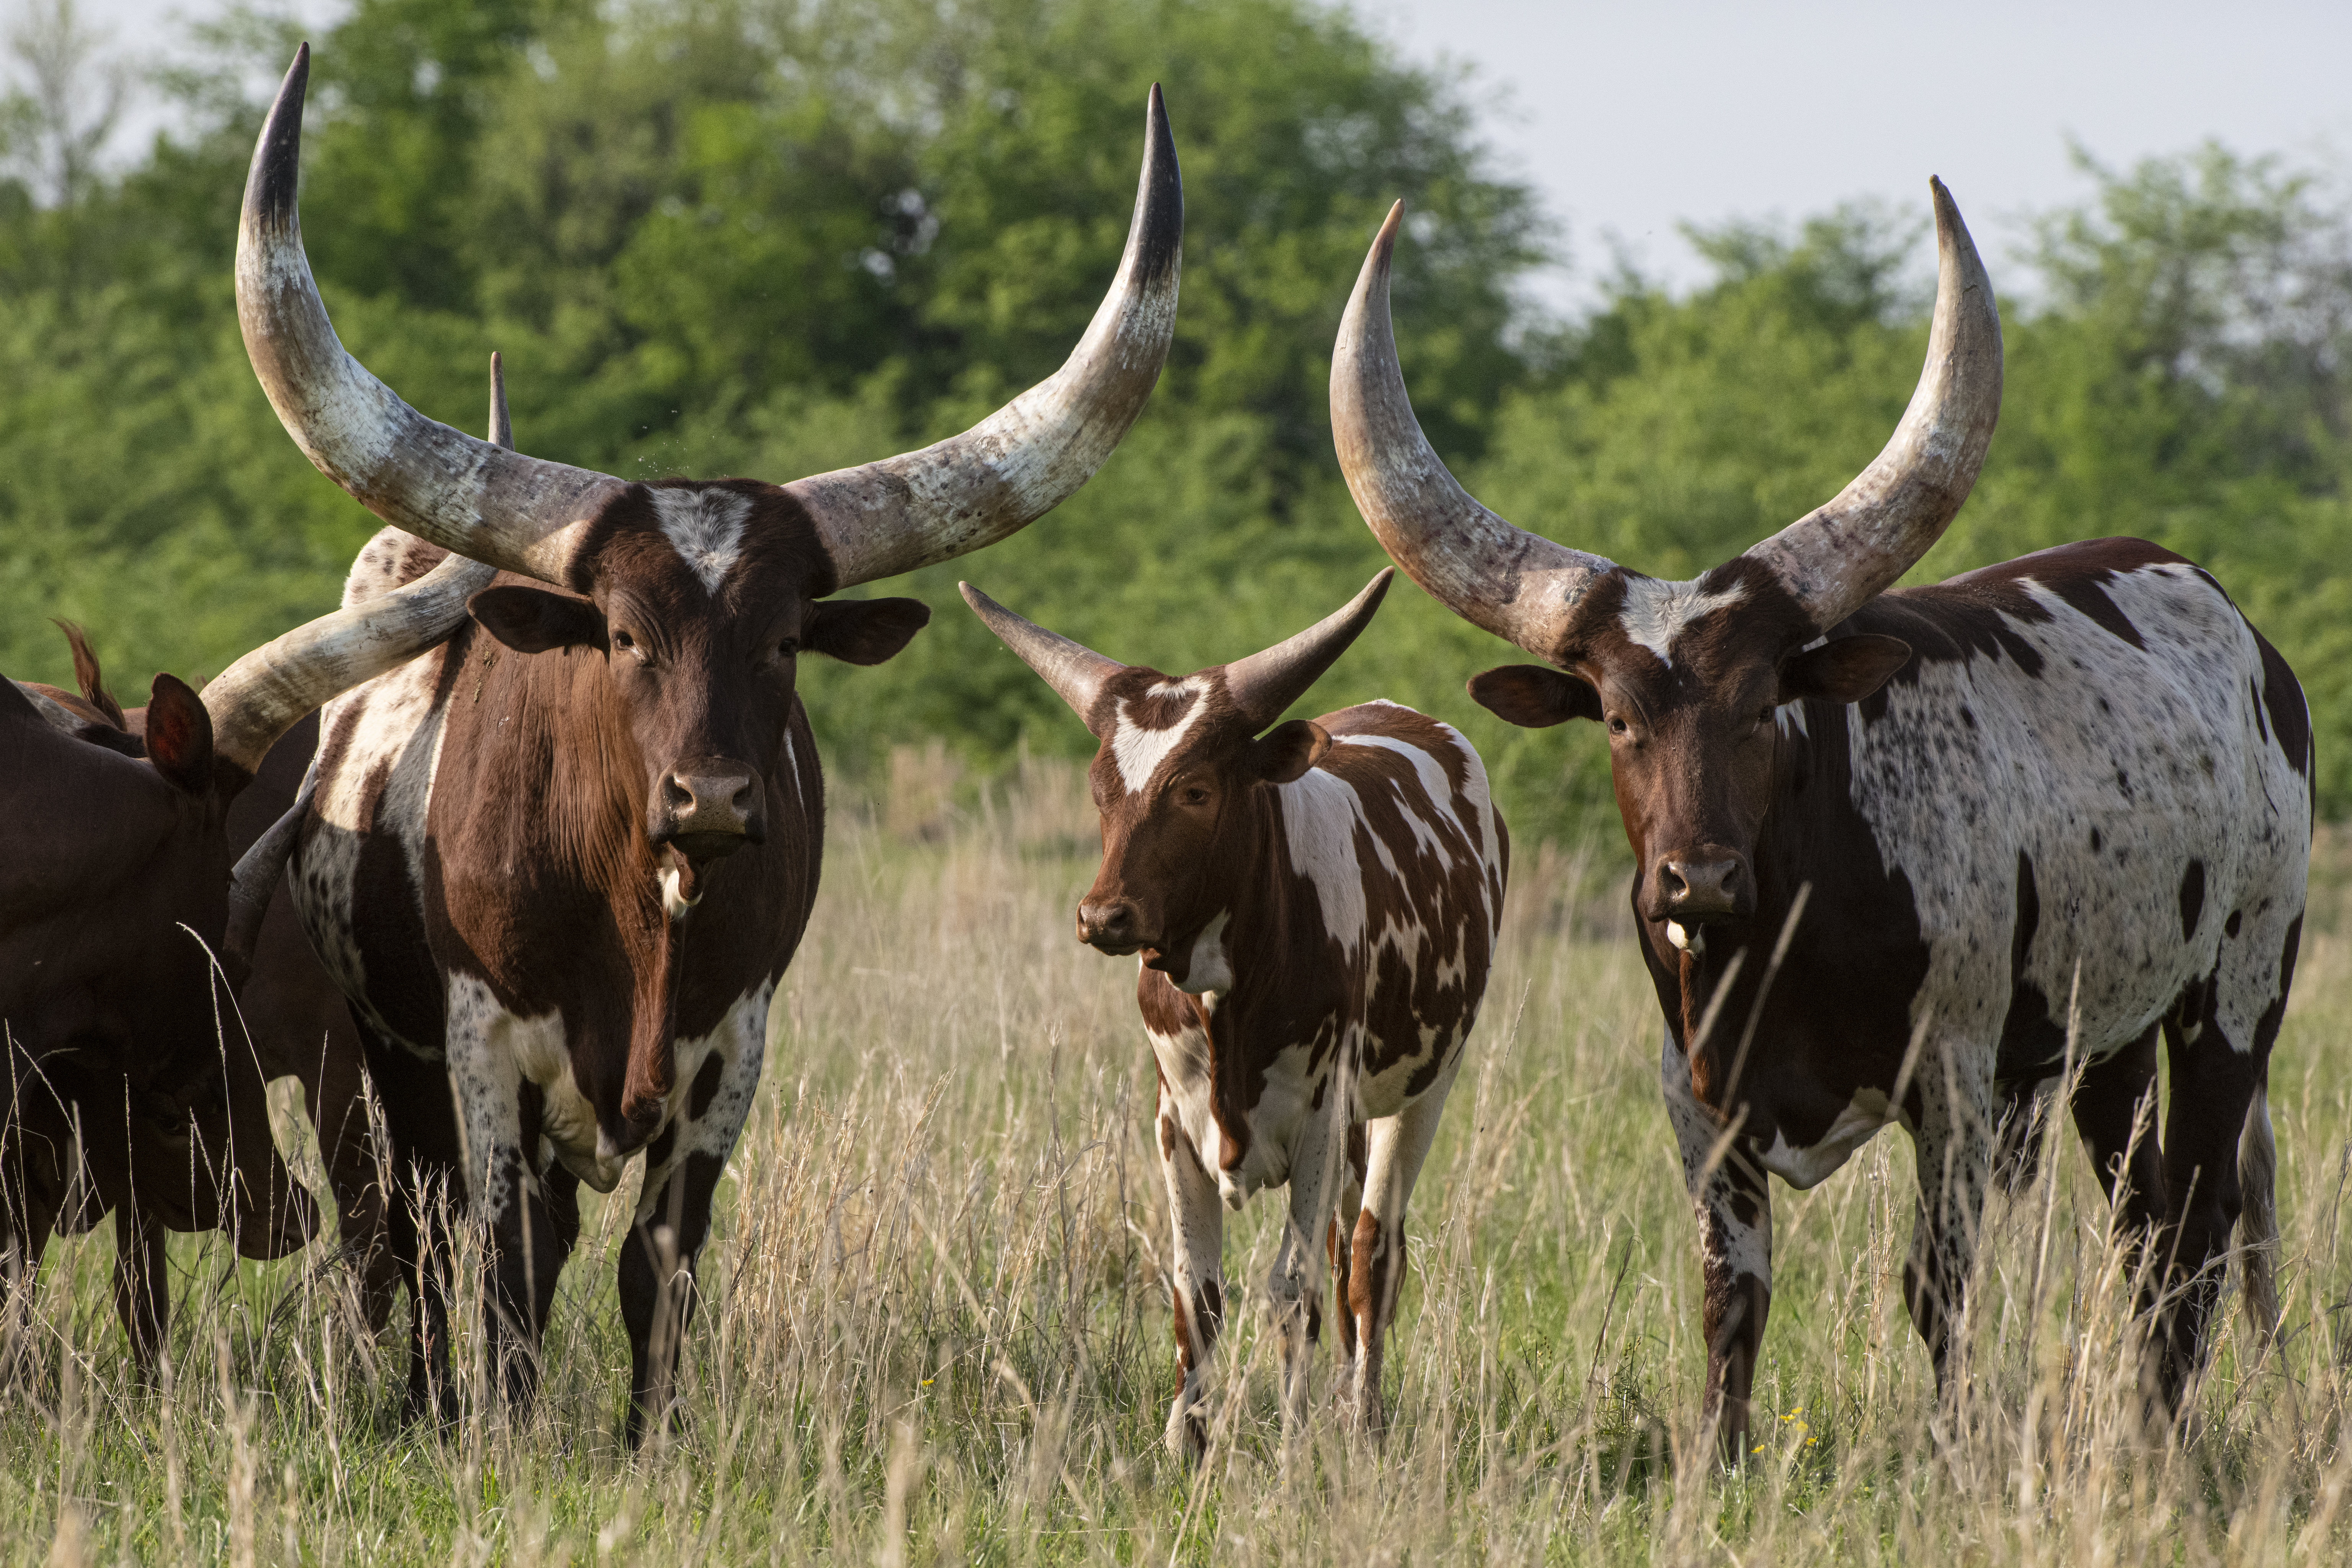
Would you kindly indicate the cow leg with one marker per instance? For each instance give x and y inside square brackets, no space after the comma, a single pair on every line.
[1735,1231]
[2214,1081]
[1346,1216]
[334,1092]
[1951,1108]
[1293,1286]
[1398,1145]
[683,1164]
[1196,1217]
[426,1167]
[2114,1113]
[142,1289]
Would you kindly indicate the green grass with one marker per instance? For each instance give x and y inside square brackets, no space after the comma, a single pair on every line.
[935,1326]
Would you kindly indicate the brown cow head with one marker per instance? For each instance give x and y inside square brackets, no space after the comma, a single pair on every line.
[1177,759]
[1686,677]
[700,594]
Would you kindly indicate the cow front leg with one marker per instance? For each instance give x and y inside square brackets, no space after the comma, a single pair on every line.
[1293,1286]
[1398,1145]
[683,1164]
[1735,1232]
[1196,1219]
[1346,1215]
[1951,1115]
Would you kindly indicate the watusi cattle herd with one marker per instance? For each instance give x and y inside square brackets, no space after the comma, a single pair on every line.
[1902,856]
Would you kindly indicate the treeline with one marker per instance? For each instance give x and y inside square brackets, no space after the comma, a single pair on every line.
[774,238]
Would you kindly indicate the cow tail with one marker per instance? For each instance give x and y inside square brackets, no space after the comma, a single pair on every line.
[2258,1229]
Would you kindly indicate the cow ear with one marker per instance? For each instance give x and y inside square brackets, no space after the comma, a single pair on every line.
[1532,697]
[180,735]
[1846,670]
[862,631]
[1287,751]
[532,620]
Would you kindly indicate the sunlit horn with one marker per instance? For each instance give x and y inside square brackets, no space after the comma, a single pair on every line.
[1263,685]
[1836,559]
[469,496]
[1517,584]
[1076,672]
[884,518]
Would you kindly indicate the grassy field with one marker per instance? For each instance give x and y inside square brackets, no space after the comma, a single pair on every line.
[935,1326]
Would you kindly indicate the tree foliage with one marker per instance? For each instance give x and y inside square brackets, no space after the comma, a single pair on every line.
[771,237]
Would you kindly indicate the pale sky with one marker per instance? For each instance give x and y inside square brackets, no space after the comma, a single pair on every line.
[1628,117]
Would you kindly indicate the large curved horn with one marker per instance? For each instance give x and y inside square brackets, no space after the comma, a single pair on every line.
[469,496]
[1837,558]
[1266,683]
[1517,584]
[1024,460]
[1074,671]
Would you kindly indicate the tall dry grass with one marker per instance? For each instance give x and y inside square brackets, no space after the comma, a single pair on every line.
[935,1323]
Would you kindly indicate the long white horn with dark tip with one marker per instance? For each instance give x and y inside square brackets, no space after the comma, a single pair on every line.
[1517,584]
[893,516]
[440,484]
[1266,683]
[1838,558]
[1074,671]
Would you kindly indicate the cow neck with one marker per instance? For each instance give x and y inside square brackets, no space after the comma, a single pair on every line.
[1810,768]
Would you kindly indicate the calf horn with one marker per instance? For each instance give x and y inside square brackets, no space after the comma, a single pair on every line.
[1841,555]
[1074,671]
[1266,683]
[1518,585]
[527,515]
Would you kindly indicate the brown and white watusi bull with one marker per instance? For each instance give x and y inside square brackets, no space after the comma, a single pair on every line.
[1891,839]
[560,865]
[1315,906]
[115,892]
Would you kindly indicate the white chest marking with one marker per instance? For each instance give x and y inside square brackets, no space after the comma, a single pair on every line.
[707,529]
[1211,969]
[1139,752]
[1655,613]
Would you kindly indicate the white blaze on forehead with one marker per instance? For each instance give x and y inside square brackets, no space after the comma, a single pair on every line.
[707,528]
[1655,613]
[1139,752]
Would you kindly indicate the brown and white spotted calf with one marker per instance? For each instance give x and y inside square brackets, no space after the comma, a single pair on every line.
[1316,907]
[1894,840]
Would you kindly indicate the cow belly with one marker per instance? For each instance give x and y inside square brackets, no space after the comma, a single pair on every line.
[1815,1162]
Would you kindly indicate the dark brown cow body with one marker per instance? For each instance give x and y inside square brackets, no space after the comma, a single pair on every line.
[115,891]
[1316,909]
[558,865]
[1888,844]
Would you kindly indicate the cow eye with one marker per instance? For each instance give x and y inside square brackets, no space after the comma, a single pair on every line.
[623,641]
[789,647]
[1616,724]
[1195,796]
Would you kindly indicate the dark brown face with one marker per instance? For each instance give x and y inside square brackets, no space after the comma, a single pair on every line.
[1176,760]
[702,597]
[1689,679]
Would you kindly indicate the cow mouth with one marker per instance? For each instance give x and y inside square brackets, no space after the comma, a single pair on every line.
[701,848]
[1119,949]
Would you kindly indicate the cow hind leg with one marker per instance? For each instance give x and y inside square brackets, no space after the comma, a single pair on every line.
[426,1167]
[2115,1114]
[1400,1144]
[1952,1114]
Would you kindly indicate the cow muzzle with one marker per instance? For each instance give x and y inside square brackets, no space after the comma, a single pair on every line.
[709,809]
[1702,886]
[1112,925]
